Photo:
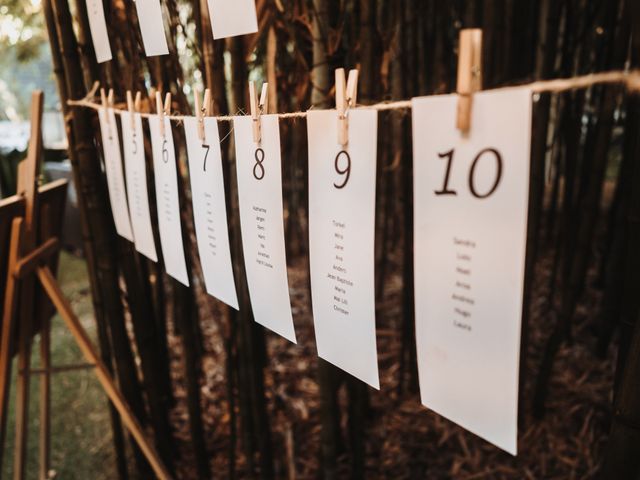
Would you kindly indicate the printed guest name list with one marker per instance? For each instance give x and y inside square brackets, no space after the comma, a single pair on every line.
[470,223]
[258,166]
[342,183]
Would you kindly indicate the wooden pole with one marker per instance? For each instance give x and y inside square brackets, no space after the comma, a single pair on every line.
[45,398]
[27,186]
[6,340]
[45,379]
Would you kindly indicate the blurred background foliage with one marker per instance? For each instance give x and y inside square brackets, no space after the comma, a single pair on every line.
[25,63]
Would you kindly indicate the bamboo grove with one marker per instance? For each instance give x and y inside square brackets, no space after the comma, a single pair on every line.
[154,333]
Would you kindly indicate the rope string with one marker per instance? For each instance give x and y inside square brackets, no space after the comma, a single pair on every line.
[630,79]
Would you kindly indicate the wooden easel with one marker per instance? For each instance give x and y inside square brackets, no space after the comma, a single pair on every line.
[28,263]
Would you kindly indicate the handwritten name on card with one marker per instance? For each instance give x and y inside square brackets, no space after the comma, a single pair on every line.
[210,210]
[232,17]
[470,214]
[342,191]
[98,27]
[262,222]
[151,27]
[113,169]
[167,199]
[136,177]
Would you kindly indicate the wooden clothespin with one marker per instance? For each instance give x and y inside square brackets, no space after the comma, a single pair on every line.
[152,95]
[105,102]
[258,108]
[346,97]
[202,111]
[469,74]
[163,109]
[132,107]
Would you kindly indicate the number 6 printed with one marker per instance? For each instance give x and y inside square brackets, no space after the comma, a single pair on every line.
[165,152]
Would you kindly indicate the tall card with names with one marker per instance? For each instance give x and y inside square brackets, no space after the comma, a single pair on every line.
[98,28]
[152,27]
[262,222]
[167,199]
[470,227]
[136,176]
[342,198]
[230,18]
[210,210]
[113,169]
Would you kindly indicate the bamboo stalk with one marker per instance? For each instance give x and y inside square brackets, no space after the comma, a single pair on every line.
[97,226]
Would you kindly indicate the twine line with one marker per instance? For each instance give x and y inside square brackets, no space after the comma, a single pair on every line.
[629,78]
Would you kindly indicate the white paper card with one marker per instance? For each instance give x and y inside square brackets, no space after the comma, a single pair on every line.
[210,210]
[167,200]
[342,196]
[232,17]
[113,169]
[262,223]
[152,27]
[136,176]
[470,221]
[98,27]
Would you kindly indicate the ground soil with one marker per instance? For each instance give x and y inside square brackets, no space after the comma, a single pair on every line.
[405,440]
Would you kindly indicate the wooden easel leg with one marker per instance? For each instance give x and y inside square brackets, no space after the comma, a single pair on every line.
[45,397]
[6,338]
[23,386]
[84,342]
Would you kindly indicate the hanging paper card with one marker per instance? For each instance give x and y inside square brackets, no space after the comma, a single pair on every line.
[209,209]
[167,200]
[98,27]
[470,214]
[342,191]
[232,17]
[262,222]
[151,27]
[136,176]
[113,169]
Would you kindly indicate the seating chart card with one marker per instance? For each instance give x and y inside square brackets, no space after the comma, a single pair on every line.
[232,17]
[262,222]
[470,214]
[152,27]
[167,200]
[210,210]
[136,177]
[342,191]
[113,168]
[98,27]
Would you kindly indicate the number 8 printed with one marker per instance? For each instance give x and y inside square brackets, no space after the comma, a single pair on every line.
[259,175]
